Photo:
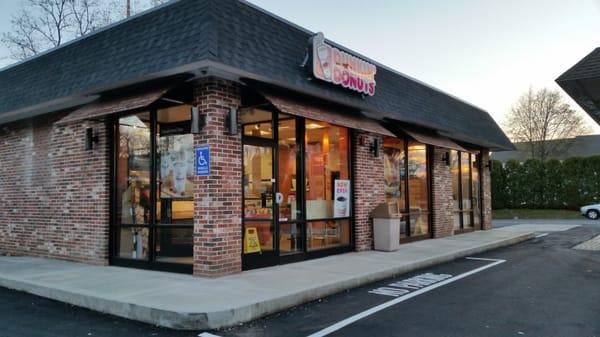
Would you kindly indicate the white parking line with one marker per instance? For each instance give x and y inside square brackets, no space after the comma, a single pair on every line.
[541,235]
[341,324]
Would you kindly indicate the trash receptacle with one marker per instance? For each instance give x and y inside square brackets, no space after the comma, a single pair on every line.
[386,227]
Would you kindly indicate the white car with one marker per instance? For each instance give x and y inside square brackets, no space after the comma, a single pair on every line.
[591,211]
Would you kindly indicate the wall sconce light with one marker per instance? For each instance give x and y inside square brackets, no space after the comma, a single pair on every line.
[446,158]
[231,121]
[90,139]
[374,147]
[198,121]
[489,165]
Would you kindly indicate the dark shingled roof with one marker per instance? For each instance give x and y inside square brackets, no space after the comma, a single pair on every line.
[582,83]
[588,67]
[237,37]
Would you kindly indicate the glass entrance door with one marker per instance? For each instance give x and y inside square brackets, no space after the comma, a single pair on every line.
[297,188]
[153,207]
[273,224]
[289,192]
[258,217]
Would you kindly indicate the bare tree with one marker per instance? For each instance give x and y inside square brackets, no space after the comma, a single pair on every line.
[45,24]
[543,120]
[89,15]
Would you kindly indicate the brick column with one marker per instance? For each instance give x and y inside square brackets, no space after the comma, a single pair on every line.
[487,190]
[218,197]
[368,188]
[441,195]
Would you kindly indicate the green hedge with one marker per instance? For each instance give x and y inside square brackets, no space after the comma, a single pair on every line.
[553,184]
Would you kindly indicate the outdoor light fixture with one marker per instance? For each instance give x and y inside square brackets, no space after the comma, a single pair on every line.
[232,121]
[446,158]
[374,147]
[90,139]
[489,165]
[198,120]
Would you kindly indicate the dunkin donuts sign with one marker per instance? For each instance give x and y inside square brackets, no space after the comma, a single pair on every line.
[335,66]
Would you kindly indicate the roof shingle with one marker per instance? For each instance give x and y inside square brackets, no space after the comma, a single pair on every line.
[238,35]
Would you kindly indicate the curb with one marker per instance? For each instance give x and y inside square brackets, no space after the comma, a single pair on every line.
[234,316]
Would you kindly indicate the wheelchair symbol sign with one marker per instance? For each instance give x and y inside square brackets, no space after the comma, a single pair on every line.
[202,156]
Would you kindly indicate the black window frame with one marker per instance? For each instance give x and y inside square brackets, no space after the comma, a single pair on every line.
[150,263]
[461,209]
[404,180]
[250,262]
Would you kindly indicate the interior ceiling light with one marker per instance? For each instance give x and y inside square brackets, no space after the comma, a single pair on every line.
[312,126]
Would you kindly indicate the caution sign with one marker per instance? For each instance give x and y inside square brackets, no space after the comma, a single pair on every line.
[251,243]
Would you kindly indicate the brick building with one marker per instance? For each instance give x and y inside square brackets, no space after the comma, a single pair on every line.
[211,137]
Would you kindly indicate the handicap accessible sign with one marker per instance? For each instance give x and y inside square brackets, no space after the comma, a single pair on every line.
[202,159]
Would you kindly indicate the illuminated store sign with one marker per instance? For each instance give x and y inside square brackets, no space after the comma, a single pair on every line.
[335,66]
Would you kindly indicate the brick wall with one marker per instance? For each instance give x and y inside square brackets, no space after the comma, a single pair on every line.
[218,198]
[368,188]
[487,190]
[442,203]
[54,195]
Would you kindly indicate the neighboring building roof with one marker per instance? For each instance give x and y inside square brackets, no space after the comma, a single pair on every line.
[581,146]
[224,37]
[588,67]
[582,83]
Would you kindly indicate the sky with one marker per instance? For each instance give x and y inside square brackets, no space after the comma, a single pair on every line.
[485,52]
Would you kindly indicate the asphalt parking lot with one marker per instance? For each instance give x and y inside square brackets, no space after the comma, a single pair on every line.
[541,287]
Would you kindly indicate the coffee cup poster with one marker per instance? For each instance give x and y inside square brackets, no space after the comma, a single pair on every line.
[176,157]
[341,201]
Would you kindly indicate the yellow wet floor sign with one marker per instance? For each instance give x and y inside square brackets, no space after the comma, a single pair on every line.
[251,243]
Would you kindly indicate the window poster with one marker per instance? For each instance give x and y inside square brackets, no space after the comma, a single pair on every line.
[176,156]
[341,203]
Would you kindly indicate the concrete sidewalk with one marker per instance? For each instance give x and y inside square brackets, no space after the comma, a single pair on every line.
[186,302]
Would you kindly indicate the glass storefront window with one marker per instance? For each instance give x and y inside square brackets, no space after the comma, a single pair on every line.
[258,184]
[133,243]
[327,172]
[394,159]
[455,171]
[175,245]
[299,166]
[139,234]
[418,188]
[258,199]
[257,123]
[327,234]
[289,206]
[261,230]
[290,238]
[465,189]
[406,172]
[175,168]
[476,191]
[465,171]
[133,170]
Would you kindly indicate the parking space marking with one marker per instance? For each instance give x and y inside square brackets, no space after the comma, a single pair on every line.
[404,287]
[541,235]
[341,324]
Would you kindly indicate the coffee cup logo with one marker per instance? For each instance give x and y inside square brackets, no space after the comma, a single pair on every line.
[324,56]
[336,66]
